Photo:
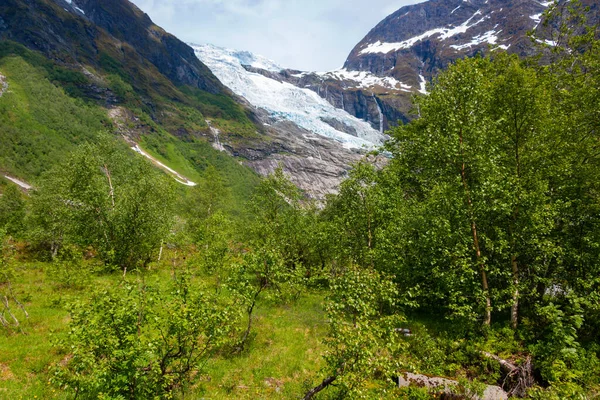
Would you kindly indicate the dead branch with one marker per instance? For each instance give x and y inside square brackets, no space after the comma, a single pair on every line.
[518,378]
[112,192]
[326,382]
[21,306]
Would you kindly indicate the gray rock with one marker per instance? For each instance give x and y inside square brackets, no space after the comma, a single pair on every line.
[447,385]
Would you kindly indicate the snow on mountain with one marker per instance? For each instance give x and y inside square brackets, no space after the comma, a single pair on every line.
[441,33]
[359,79]
[284,101]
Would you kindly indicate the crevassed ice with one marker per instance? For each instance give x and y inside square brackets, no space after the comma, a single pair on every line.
[282,100]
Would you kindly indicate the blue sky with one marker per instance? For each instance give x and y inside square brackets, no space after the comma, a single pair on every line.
[314,35]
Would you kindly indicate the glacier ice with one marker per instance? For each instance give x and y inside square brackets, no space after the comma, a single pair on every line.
[282,100]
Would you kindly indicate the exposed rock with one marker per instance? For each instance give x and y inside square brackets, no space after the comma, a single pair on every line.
[317,165]
[447,386]
[3,84]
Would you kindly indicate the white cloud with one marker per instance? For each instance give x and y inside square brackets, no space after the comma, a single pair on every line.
[301,34]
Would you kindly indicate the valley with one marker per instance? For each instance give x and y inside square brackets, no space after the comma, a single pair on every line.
[191,221]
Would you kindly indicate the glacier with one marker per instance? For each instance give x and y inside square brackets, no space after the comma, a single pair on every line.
[282,100]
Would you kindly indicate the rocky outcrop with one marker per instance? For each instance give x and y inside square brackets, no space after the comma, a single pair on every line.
[3,84]
[316,164]
[449,387]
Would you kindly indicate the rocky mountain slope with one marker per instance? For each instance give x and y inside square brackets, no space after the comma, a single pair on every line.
[410,46]
[160,96]
[419,40]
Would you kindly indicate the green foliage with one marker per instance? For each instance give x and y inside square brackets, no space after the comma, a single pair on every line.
[137,341]
[69,270]
[39,123]
[106,198]
[357,215]
[363,340]
[282,221]
[12,211]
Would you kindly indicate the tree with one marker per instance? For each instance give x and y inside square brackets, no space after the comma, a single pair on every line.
[444,162]
[260,273]
[356,212]
[106,198]
[364,338]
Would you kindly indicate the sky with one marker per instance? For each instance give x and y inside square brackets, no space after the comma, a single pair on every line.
[308,35]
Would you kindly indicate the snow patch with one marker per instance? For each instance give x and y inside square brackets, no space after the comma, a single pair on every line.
[550,43]
[179,178]
[364,79]
[19,183]
[489,37]
[284,101]
[443,34]
[423,85]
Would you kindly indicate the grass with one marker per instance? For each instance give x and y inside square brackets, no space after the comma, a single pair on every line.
[39,122]
[283,357]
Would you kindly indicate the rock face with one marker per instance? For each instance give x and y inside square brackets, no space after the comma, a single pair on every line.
[94,31]
[421,39]
[408,48]
[172,57]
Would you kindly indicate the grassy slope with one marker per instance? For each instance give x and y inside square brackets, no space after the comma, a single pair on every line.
[284,354]
[40,123]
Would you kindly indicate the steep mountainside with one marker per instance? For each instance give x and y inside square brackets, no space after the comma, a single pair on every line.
[409,47]
[65,72]
[421,39]
[160,96]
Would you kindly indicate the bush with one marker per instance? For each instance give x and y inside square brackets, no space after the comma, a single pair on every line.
[139,342]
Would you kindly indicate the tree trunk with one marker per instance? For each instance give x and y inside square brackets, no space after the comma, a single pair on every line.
[514,311]
[484,280]
[326,382]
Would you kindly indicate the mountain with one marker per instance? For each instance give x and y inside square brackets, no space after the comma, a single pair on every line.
[422,39]
[396,59]
[314,142]
[104,65]
[76,68]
